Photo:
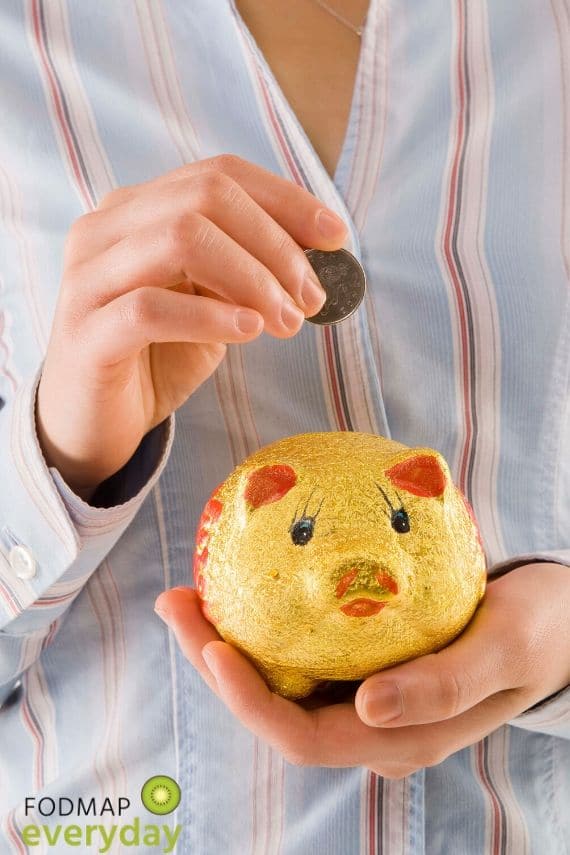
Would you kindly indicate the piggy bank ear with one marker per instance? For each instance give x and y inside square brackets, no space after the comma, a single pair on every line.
[269,484]
[423,472]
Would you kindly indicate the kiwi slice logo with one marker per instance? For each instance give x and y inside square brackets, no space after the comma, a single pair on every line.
[160,794]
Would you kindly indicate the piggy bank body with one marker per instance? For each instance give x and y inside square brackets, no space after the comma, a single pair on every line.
[329,556]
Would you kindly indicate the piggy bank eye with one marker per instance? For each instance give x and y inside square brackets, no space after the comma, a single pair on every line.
[302,531]
[400,521]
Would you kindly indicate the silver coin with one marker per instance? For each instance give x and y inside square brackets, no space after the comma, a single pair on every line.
[343,278]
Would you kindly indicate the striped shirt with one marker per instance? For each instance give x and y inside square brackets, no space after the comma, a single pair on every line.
[454,180]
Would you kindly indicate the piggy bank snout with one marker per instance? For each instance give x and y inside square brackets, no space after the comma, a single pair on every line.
[357,575]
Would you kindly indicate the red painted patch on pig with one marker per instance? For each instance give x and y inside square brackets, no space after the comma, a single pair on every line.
[421,476]
[207,524]
[269,484]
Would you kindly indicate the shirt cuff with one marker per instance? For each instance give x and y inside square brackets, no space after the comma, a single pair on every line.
[51,541]
[550,716]
[115,499]
[553,556]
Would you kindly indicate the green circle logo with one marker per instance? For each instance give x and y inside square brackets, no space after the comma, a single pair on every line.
[160,794]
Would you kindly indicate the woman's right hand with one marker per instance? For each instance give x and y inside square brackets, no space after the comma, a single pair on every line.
[157,280]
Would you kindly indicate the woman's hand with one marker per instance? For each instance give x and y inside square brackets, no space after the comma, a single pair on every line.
[156,282]
[514,652]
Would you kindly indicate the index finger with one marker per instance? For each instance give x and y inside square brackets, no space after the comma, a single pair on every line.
[327,736]
[280,722]
[299,212]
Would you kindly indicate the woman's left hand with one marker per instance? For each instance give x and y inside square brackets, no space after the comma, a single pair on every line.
[514,652]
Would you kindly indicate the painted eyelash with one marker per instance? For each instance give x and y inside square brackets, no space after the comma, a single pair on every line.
[303,515]
[393,510]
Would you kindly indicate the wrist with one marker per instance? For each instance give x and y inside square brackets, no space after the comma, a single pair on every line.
[70,472]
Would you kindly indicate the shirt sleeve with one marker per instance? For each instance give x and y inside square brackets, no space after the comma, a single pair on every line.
[552,714]
[51,541]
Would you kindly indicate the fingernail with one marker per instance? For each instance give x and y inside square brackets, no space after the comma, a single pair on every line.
[246,322]
[291,316]
[330,225]
[382,703]
[313,294]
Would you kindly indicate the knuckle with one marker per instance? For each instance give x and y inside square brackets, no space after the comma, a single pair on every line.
[261,284]
[427,757]
[298,757]
[293,758]
[403,772]
[427,754]
[301,751]
[285,246]
[203,234]
[449,694]
[431,757]
[69,327]
[77,335]
[176,231]
[218,188]
[523,652]
[232,196]
[75,298]
[113,197]
[210,183]
[420,756]
[79,229]
[395,771]
[228,163]
[184,229]
[139,309]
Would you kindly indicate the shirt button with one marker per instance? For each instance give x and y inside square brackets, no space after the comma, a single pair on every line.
[22,562]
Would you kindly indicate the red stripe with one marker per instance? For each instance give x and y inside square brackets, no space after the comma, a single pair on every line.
[44,602]
[232,374]
[451,213]
[341,422]
[327,333]
[58,105]
[95,607]
[372,807]
[268,805]
[113,665]
[238,351]
[278,133]
[254,795]
[7,595]
[123,644]
[237,456]
[14,833]
[496,821]
[49,637]
[37,738]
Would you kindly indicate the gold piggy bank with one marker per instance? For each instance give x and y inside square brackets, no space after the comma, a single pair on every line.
[329,556]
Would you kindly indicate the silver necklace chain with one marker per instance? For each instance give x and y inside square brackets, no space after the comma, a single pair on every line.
[339,17]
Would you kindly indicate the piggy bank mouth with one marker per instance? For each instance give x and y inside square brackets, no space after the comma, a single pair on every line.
[368,579]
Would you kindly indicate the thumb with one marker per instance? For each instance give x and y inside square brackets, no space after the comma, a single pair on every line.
[438,685]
